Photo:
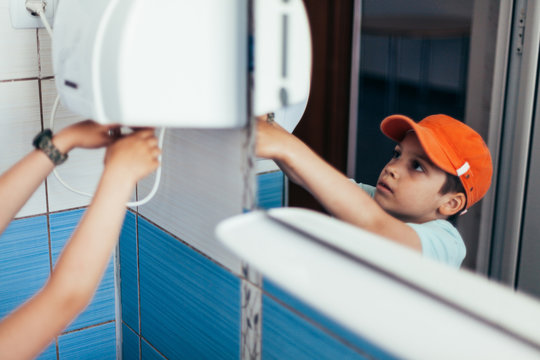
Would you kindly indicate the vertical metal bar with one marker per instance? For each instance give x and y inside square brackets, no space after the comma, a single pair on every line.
[516,141]
[251,280]
[355,89]
[117,302]
[285,45]
[495,130]
[528,266]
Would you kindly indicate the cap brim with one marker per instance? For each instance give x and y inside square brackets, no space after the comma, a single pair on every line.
[397,126]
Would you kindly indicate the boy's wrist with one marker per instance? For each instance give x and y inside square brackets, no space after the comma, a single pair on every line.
[288,150]
[119,176]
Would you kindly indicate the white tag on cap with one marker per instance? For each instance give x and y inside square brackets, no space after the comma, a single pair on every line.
[463,169]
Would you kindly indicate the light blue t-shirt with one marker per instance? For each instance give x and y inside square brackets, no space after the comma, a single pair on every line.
[440,239]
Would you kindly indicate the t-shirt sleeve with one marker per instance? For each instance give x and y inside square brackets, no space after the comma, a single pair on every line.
[441,241]
[367,188]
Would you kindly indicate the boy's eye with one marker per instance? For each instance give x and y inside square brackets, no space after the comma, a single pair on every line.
[417,166]
[396,154]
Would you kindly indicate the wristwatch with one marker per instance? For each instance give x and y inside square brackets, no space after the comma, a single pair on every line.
[43,142]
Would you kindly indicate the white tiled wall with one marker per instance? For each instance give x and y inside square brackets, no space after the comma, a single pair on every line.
[19,58]
[45,54]
[20,121]
[25,70]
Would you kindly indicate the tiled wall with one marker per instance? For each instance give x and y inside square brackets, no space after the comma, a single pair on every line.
[32,242]
[182,293]
[180,303]
[177,300]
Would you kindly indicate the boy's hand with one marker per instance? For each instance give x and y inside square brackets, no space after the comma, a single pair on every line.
[271,139]
[85,134]
[134,156]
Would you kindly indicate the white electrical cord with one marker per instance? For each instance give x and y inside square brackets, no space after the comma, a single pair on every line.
[133,203]
[38,7]
[45,22]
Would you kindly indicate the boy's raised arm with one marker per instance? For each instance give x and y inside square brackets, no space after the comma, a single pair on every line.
[340,196]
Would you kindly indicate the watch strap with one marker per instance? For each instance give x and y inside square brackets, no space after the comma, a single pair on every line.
[43,142]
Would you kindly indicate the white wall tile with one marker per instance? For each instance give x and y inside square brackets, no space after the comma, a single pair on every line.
[201,184]
[45,54]
[19,59]
[265,165]
[83,168]
[20,121]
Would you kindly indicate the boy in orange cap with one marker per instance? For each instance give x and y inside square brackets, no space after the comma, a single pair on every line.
[440,167]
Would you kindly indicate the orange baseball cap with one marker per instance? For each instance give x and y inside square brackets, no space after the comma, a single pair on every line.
[452,146]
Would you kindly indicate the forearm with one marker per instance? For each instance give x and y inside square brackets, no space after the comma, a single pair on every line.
[340,196]
[337,194]
[97,234]
[19,183]
[77,274]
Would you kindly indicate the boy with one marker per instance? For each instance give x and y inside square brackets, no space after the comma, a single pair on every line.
[29,329]
[440,167]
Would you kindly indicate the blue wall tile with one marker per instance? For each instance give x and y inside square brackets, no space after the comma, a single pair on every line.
[190,307]
[130,344]
[270,187]
[287,336]
[101,309]
[129,272]
[149,353]
[49,353]
[98,342]
[359,343]
[24,261]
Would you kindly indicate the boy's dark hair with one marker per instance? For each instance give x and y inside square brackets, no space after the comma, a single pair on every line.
[452,184]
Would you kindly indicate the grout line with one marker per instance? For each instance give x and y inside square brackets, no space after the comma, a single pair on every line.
[40,89]
[138,282]
[87,327]
[18,80]
[138,337]
[129,327]
[51,212]
[50,244]
[57,348]
[152,346]
[117,299]
[38,53]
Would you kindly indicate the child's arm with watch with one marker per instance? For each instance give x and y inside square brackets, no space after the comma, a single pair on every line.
[19,182]
[26,331]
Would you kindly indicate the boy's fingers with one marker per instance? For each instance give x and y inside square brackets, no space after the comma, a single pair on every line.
[114,132]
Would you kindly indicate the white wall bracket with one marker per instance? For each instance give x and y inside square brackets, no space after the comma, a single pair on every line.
[22,19]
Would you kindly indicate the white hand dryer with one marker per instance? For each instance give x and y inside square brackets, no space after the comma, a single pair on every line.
[180,63]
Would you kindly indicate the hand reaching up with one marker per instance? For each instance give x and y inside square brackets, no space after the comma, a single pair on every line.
[134,156]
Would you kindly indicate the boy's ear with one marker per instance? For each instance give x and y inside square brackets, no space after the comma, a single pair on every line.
[454,203]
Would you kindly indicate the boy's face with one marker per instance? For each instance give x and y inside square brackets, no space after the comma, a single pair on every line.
[409,185]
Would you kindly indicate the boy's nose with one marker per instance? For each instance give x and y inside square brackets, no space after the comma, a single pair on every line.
[392,171]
